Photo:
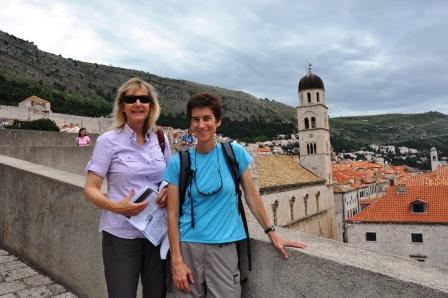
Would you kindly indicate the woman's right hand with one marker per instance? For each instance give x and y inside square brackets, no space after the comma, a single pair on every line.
[182,276]
[128,208]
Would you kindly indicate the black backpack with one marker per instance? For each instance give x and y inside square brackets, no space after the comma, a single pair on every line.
[186,174]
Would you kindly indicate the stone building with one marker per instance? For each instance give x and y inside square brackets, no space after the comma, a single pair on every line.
[294,197]
[411,220]
[35,104]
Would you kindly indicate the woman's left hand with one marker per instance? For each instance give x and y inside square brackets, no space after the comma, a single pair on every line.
[161,200]
[281,243]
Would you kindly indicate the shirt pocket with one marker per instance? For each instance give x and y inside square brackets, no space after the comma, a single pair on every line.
[159,158]
[123,162]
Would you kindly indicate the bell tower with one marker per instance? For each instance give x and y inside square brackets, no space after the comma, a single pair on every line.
[314,131]
[434,159]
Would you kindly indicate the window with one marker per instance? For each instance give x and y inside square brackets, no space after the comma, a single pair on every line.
[417,237]
[309,96]
[313,122]
[370,236]
[418,207]
[311,148]
[307,123]
[433,158]
[291,206]
[305,201]
[317,96]
[274,206]
[420,258]
[317,200]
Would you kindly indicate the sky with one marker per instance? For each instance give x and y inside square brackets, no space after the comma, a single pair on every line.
[374,57]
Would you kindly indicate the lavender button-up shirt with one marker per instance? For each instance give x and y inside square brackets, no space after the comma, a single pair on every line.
[126,165]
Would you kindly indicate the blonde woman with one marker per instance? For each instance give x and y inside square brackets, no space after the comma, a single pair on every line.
[129,157]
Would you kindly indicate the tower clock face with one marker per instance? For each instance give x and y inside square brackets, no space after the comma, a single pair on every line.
[310,135]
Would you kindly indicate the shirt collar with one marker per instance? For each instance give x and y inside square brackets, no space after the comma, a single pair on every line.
[130,133]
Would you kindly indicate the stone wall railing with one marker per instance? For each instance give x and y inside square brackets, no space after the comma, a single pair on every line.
[45,219]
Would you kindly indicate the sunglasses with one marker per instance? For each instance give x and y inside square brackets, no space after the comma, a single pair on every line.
[133,98]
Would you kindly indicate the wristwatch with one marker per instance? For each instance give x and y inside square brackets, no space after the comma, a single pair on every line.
[271,228]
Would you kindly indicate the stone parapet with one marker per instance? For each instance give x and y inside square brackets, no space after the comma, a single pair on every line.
[44,218]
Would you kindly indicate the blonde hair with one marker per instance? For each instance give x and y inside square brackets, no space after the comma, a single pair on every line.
[120,116]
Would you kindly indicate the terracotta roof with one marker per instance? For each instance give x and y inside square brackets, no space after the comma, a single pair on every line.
[438,177]
[36,99]
[282,171]
[396,208]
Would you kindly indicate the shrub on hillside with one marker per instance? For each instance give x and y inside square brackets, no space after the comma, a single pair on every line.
[40,124]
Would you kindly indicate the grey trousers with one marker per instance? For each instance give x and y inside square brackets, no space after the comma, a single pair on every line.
[125,260]
[215,270]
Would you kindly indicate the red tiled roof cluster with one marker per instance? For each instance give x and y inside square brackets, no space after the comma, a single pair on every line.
[395,207]
[436,178]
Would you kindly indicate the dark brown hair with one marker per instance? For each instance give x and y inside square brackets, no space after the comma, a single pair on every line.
[202,100]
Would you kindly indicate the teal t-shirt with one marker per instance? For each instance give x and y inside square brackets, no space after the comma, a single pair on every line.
[216,216]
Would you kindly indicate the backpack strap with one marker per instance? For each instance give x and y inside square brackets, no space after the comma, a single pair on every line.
[185,175]
[234,169]
[161,139]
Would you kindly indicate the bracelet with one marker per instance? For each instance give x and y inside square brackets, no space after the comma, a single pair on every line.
[271,228]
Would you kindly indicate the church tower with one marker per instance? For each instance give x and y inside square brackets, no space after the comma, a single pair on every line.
[434,159]
[314,132]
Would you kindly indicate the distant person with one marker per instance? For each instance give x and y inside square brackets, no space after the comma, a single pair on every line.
[130,157]
[204,227]
[83,139]
[187,139]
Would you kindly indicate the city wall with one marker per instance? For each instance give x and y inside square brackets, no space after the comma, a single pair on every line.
[45,219]
[95,125]
[20,137]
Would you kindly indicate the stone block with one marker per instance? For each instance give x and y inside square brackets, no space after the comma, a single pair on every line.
[11,265]
[56,289]
[41,291]
[18,274]
[37,280]
[9,287]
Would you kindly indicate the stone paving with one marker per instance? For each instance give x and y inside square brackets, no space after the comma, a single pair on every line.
[17,280]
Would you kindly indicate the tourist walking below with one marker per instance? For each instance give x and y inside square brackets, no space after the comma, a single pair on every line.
[129,157]
[82,139]
[204,227]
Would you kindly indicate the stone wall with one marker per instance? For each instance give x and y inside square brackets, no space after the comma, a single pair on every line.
[320,225]
[395,239]
[20,137]
[45,219]
[72,159]
[93,125]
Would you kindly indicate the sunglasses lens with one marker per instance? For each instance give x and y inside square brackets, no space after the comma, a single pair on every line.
[133,98]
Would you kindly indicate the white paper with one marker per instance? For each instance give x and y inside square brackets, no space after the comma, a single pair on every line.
[152,221]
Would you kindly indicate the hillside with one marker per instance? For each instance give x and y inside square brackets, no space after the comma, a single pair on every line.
[419,131]
[88,89]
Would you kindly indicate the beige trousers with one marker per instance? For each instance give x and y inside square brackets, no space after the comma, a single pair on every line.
[215,270]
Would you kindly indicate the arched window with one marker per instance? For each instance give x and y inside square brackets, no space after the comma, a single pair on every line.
[309,97]
[308,149]
[307,124]
[314,148]
[305,202]
[433,158]
[291,206]
[317,96]
[274,206]
[313,122]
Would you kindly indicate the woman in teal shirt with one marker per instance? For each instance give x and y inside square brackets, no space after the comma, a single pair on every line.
[202,240]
